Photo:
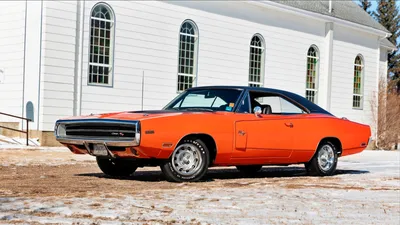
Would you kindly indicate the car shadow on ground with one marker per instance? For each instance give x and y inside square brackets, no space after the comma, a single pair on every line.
[224,174]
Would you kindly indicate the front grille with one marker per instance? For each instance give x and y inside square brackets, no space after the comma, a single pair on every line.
[100,130]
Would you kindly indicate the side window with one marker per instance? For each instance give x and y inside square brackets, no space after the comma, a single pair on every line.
[281,105]
[245,105]
[271,103]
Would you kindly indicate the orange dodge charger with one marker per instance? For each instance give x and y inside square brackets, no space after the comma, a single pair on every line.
[246,127]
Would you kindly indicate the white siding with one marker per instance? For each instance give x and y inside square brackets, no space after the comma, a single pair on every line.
[146,39]
[12,57]
[383,63]
[345,49]
[58,61]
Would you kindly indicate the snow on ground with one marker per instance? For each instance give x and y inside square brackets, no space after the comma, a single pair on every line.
[17,142]
[365,190]
[40,156]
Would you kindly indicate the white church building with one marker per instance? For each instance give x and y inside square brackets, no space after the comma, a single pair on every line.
[66,58]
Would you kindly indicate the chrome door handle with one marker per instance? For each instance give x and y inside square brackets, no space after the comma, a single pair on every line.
[289,125]
[241,133]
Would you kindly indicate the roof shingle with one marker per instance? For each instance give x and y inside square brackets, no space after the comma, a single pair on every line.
[345,10]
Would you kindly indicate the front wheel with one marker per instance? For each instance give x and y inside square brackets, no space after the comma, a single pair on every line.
[116,167]
[324,161]
[189,162]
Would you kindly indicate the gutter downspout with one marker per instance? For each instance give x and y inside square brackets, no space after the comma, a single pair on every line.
[76,61]
[24,63]
[82,31]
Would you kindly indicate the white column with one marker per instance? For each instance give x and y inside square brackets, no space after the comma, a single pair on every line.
[32,67]
[326,75]
[79,37]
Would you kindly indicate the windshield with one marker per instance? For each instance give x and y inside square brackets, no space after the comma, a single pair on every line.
[205,100]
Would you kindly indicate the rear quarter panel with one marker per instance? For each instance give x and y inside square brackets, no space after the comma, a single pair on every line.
[309,130]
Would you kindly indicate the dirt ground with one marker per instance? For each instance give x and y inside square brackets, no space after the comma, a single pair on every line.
[56,187]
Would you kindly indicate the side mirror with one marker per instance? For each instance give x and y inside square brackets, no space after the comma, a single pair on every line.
[257,111]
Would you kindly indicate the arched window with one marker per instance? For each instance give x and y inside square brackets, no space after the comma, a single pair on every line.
[358,86]
[256,61]
[101,45]
[312,74]
[188,42]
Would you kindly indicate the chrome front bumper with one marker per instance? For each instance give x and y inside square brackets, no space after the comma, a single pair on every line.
[61,132]
[131,143]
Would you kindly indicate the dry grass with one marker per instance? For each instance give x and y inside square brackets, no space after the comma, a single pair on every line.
[386,116]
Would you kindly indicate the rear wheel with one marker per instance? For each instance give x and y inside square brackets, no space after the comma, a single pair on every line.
[189,161]
[249,169]
[116,167]
[324,161]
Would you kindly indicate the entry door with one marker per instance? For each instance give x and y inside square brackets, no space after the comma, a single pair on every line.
[270,136]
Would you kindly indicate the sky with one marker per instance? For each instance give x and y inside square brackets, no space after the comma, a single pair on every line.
[374,5]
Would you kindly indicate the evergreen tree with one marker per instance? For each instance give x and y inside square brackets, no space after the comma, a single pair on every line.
[365,4]
[388,15]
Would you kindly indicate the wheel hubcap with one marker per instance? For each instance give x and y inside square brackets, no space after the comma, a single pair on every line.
[186,159]
[326,158]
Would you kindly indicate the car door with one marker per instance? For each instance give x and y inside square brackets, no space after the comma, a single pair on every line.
[268,135]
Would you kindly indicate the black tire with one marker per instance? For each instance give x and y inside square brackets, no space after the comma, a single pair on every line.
[116,167]
[249,170]
[175,173]
[316,167]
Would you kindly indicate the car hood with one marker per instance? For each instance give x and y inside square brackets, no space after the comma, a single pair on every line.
[135,115]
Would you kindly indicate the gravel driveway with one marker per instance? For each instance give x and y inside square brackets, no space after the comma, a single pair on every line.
[55,186]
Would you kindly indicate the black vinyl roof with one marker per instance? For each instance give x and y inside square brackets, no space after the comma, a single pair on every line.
[311,107]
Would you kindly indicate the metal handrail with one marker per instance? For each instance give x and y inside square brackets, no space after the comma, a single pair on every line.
[16,130]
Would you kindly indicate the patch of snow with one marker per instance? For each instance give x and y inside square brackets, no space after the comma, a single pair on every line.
[366,190]
[17,141]
[247,206]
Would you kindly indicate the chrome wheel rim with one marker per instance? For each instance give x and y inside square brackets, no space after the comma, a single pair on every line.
[326,158]
[186,159]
